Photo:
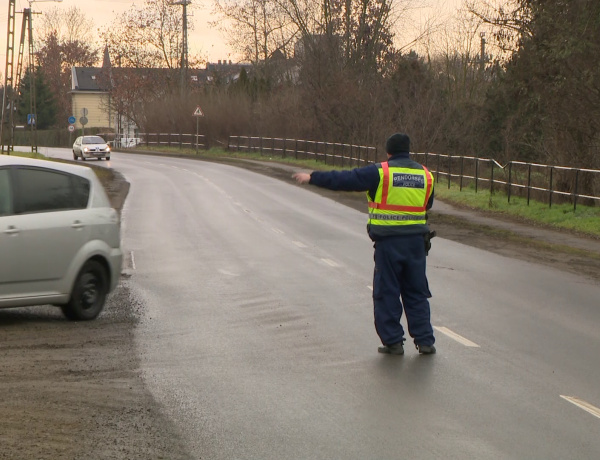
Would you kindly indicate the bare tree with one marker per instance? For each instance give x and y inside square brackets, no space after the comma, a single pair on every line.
[509,21]
[66,42]
[255,28]
[70,25]
[147,37]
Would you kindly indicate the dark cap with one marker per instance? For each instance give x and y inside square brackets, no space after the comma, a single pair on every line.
[397,143]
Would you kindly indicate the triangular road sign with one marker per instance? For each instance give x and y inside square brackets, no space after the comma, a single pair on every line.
[198,112]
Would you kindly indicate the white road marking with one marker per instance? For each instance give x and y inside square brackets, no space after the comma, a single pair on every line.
[276,230]
[132,260]
[299,244]
[455,336]
[582,405]
[370,287]
[227,272]
[330,262]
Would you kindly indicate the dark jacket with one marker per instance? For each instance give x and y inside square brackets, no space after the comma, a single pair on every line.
[365,179]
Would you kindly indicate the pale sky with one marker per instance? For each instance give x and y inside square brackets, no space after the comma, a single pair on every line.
[204,40]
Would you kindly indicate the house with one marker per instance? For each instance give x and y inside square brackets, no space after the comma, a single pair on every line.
[90,101]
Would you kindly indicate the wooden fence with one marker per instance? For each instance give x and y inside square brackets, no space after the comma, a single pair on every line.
[177,140]
[531,180]
[335,154]
[541,182]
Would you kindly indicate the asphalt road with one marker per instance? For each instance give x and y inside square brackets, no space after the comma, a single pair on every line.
[257,334]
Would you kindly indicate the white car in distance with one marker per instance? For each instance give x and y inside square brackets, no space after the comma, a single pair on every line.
[91,147]
[60,241]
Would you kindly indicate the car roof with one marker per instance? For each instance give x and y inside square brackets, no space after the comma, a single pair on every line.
[78,170]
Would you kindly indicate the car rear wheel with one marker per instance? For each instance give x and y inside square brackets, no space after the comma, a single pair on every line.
[89,293]
[74,155]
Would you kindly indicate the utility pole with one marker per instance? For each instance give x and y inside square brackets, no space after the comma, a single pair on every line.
[12,104]
[8,82]
[184,46]
[32,117]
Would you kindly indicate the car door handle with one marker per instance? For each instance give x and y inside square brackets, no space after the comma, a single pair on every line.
[77,224]
[11,230]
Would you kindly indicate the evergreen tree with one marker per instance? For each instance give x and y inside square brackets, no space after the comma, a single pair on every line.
[45,101]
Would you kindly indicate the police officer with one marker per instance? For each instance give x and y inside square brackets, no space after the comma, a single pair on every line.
[399,192]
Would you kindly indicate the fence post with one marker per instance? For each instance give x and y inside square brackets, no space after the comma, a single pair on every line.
[318,152]
[509,179]
[575,191]
[283,149]
[437,179]
[260,148]
[449,170]
[528,182]
[550,188]
[462,171]
[492,178]
[273,149]
[476,174]
[306,149]
[296,149]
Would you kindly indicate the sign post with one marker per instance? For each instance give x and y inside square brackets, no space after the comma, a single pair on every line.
[198,113]
[83,120]
[71,121]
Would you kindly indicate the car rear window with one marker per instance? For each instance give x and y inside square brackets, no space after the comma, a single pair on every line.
[5,195]
[42,190]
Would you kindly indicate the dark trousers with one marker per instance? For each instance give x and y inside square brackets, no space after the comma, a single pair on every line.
[400,274]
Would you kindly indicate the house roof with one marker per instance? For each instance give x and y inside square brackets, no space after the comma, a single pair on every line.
[94,79]
[86,79]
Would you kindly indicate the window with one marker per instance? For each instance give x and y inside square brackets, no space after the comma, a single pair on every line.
[40,190]
[5,193]
[93,140]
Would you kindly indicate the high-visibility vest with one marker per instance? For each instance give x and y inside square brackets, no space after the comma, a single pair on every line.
[400,201]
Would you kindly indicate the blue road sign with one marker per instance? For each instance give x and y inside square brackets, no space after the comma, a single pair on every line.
[31,119]
[71,120]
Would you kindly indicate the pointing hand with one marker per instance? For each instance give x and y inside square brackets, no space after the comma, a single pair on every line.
[301,178]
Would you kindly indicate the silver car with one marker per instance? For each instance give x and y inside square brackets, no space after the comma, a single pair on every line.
[91,147]
[60,240]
